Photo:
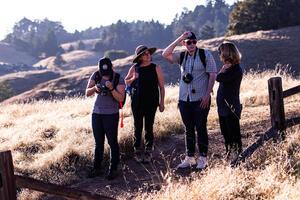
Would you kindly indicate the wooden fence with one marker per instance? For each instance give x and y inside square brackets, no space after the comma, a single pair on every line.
[9,181]
[278,121]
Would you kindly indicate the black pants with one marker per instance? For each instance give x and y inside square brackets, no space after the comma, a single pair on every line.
[193,116]
[106,125]
[230,128]
[139,115]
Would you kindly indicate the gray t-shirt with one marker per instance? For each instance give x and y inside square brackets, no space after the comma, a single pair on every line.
[200,77]
[106,104]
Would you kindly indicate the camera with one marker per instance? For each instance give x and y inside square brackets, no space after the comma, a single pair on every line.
[103,89]
[187,78]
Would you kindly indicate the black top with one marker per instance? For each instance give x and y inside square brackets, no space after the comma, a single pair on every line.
[229,91]
[147,92]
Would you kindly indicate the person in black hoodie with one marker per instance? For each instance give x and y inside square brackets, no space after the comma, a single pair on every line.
[228,97]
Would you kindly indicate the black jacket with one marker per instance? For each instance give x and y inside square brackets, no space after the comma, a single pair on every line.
[229,91]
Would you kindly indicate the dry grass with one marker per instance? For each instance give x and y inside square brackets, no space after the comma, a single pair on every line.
[53,141]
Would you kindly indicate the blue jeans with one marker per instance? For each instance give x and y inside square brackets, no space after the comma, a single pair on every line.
[194,116]
[106,125]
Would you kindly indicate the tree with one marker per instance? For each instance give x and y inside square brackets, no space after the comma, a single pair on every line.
[207,32]
[81,45]
[115,54]
[6,91]
[71,48]
[50,44]
[253,15]
[59,61]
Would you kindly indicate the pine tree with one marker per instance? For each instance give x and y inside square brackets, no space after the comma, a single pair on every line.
[59,61]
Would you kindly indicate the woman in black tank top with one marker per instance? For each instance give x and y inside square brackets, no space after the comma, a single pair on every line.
[148,81]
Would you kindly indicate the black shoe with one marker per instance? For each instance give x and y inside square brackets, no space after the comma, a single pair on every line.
[112,174]
[94,173]
[147,156]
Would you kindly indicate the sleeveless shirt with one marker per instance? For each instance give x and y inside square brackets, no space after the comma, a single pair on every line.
[148,94]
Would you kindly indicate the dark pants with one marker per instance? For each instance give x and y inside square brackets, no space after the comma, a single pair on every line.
[230,128]
[106,125]
[139,115]
[194,116]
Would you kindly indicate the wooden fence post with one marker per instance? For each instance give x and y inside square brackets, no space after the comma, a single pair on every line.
[8,183]
[276,103]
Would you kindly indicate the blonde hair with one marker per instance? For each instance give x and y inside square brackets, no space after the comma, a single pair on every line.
[229,53]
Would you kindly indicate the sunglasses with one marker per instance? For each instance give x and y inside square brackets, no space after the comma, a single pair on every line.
[190,42]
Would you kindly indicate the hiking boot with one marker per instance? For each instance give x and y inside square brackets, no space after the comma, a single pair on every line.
[202,163]
[188,161]
[94,173]
[112,174]
[138,155]
[148,156]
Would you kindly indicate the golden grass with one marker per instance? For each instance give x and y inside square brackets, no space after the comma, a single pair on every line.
[53,140]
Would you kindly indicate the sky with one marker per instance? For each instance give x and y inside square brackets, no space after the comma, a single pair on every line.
[82,14]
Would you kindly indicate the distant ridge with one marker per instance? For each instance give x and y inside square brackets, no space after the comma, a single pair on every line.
[260,50]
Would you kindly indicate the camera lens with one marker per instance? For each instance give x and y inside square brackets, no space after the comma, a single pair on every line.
[187,78]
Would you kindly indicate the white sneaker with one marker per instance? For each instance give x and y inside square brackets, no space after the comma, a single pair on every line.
[188,161]
[202,163]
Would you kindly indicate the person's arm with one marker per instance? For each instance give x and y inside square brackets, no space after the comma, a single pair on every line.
[161,88]
[211,70]
[167,53]
[227,76]
[211,82]
[91,88]
[131,76]
[118,93]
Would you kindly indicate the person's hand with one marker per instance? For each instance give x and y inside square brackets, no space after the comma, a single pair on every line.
[185,35]
[223,69]
[98,88]
[109,85]
[205,101]
[161,107]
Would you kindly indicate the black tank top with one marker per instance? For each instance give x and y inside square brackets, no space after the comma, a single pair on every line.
[148,93]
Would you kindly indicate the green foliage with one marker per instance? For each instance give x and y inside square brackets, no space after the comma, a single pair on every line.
[71,48]
[215,14]
[81,45]
[207,32]
[50,45]
[115,54]
[6,91]
[99,46]
[59,61]
[253,15]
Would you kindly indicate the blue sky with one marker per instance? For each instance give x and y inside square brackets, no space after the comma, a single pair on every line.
[80,15]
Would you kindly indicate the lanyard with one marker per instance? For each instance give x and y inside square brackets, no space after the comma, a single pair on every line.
[185,59]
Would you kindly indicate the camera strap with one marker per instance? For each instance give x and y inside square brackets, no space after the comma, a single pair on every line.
[185,59]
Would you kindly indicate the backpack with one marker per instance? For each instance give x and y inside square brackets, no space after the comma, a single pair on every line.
[98,79]
[132,89]
[201,55]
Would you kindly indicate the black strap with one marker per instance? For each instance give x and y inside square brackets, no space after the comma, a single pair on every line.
[201,55]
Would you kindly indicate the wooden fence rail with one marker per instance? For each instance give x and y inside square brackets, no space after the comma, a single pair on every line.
[9,182]
[279,124]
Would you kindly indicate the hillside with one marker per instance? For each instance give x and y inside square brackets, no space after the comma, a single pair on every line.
[261,50]
[8,54]
[52,141]
[74,59]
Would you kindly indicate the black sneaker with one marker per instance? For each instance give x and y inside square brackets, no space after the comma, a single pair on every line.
[138,156]
[112,174]
[95,172]
[147,156]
